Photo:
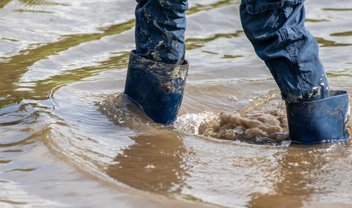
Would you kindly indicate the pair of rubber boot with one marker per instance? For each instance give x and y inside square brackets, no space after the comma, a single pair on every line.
[157,88]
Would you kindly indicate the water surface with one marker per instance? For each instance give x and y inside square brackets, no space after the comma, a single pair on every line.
[59,146]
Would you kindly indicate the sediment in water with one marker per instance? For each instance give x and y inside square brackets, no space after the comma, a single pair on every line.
[258,127]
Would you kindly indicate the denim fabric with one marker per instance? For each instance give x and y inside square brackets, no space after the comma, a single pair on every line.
[160,29]
[274,27]
[276,30]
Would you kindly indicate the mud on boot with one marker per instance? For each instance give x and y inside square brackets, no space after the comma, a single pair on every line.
[156,87]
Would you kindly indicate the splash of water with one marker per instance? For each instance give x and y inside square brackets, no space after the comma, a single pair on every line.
[123,112]
[259,127]
[263,121]
[256,126]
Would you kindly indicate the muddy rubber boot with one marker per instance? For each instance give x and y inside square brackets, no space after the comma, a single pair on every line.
[156,87]
[318,121]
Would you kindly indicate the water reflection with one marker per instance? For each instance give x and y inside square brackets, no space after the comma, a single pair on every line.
[297,178]
[330,43]
[41,2]
[17,65]
[347,33]
[3,3]
[194,43]
[155,163]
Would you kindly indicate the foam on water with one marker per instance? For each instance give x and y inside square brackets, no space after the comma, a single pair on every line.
[191,122]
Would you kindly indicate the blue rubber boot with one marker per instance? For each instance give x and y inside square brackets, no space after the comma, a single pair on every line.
[156,87]
[318,121]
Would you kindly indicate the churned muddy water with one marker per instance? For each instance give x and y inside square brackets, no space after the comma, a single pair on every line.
[68,138]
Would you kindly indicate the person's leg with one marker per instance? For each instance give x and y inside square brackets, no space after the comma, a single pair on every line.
[157,69]
[160,29]
[276,30]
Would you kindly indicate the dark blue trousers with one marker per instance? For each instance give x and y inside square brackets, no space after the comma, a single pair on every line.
[274,27]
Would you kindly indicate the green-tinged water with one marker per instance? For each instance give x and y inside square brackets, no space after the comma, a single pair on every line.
[64,141]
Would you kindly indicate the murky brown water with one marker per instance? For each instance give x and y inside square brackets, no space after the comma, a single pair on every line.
[60,60]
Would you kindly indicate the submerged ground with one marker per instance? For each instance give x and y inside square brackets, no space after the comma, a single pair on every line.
[64,143]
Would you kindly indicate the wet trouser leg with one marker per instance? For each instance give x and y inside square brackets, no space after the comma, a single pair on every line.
[157,69]
[160,29]
[276,30]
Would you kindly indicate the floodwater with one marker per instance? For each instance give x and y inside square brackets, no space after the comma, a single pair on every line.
[68,139]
